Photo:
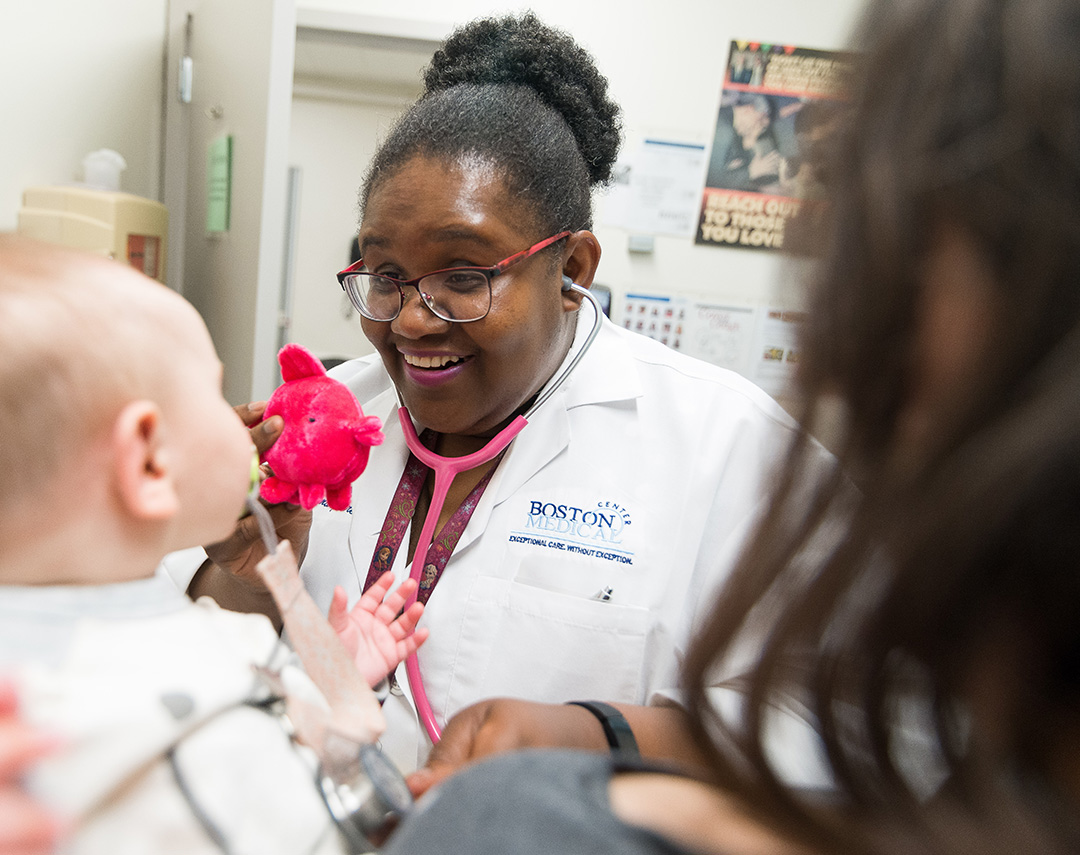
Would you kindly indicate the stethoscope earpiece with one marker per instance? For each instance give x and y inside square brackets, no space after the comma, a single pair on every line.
[567,283]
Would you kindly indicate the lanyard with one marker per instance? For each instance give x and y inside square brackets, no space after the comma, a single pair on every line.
[400,514]
[434,551]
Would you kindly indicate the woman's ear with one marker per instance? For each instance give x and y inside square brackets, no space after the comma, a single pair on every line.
[144,477]
[581,256]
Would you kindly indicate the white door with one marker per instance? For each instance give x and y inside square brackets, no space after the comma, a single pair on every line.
[241,57]
[354,76]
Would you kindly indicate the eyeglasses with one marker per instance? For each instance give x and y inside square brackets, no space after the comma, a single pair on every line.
[458,294]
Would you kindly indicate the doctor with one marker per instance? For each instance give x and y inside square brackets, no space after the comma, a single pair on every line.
[573,564]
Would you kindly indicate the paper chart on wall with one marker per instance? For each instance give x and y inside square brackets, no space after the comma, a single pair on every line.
[657,190]
[760,343]
[722,335]
[658,317]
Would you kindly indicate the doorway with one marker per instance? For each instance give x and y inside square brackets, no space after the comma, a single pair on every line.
[348,89]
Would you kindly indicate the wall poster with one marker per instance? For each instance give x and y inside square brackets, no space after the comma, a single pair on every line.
[778,104]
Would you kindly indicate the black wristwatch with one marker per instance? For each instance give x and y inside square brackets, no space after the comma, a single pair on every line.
[616,728]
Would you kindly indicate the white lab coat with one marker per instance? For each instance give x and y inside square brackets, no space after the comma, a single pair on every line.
[642,474]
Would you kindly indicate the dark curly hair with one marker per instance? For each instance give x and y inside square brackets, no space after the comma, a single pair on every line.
[524,97]
[965,115]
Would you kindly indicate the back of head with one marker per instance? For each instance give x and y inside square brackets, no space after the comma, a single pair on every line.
[524,98]
[66,365]
[979,132]
[938,636]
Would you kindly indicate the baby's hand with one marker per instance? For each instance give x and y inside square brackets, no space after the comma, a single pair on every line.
[377,638]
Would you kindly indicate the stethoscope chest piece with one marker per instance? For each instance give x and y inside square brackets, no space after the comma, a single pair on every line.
[368,805]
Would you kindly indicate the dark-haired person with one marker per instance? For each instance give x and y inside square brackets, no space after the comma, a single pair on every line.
[613,515]
[937,647]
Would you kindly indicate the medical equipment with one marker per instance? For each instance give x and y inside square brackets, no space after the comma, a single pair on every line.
[446,468]
[365,797]
[367,800]
[364,793]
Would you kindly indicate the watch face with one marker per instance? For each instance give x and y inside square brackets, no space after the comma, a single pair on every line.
[386,779]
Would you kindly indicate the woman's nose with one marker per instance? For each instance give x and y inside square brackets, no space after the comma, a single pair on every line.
[415,319]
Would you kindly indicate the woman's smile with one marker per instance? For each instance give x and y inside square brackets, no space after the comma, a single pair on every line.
[435,369]
[440,361]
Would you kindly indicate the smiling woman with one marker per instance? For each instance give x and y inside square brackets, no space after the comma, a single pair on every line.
[487,180]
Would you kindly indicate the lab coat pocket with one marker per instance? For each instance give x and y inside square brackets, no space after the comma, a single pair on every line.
[546,645]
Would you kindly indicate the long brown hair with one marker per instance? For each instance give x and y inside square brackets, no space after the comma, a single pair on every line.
[930,625]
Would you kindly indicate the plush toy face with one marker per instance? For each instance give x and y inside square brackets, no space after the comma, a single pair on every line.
[324,446]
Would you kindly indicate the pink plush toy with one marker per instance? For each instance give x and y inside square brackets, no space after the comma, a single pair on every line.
[324,446]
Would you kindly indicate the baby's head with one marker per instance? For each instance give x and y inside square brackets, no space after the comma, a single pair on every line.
[110,392]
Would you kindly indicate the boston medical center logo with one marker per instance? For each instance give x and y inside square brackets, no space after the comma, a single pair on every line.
[598,531]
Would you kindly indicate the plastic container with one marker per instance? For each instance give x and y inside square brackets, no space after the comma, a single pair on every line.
[102,168]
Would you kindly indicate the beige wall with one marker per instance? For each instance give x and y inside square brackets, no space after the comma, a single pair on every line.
[78,76]
[664,62]
[81,76]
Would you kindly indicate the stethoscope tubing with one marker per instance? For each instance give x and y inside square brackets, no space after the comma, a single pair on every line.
[445,469]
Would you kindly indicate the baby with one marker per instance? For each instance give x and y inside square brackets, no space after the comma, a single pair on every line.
[117,447]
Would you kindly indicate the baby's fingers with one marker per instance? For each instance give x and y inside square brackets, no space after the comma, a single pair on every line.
[412,643]
[373,597]
[338,615]
[406,623]
[401,595]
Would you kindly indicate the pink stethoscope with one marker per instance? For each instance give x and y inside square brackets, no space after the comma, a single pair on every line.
[446,468]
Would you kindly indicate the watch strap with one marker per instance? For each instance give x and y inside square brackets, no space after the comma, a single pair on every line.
[616,728]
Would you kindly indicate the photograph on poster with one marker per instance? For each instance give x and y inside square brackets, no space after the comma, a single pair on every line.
[778,105]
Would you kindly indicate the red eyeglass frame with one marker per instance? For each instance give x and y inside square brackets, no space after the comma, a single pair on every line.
[489,272]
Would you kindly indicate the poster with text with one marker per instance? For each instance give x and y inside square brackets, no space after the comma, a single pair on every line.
[778,107]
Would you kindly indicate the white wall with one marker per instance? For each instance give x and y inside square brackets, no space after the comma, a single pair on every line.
[78,76]
[332,163]
[664,61]
[81,76]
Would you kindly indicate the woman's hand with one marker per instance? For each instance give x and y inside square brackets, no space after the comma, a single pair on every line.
[503,724]
[230,576]
[497,725]
[25,826]
[377,637]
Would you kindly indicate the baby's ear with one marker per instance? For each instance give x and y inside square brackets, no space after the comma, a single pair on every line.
[144,476]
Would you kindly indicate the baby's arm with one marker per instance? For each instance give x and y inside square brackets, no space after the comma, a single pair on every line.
[354,709]
[376,636]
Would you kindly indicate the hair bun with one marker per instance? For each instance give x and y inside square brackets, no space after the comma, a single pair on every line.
[522,51]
